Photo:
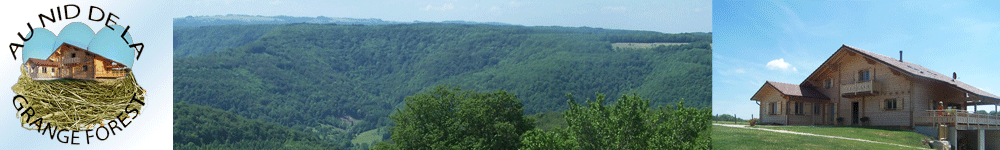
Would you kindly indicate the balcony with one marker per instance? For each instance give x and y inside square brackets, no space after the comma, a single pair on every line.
[858,89]
[961,119]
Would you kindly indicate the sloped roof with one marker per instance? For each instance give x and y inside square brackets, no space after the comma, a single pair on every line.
[88,52]
[920,71]
[796,90]
[41,62]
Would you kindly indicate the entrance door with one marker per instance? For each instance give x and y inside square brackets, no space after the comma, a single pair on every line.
[831,114]
[854,113]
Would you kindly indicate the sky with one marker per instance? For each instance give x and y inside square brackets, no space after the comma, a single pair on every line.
[668,16]
[781,41]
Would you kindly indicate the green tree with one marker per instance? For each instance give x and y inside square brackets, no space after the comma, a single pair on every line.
[627,124]
[456,119]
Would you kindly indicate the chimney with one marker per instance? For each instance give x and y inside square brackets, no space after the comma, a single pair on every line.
[954,76]
[900,56]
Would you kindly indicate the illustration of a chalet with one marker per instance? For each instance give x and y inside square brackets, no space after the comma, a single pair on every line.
[858,87]
[69,61]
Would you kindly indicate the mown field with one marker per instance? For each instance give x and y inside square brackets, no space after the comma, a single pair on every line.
[738,138]
[897,136]
[642,45]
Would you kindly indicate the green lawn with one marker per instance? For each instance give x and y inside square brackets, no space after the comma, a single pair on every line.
[887,135]
[738,138]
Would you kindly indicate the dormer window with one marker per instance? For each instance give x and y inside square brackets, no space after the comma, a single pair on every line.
[864,76]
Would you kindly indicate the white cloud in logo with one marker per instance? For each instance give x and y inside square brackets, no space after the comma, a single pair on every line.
[780,64]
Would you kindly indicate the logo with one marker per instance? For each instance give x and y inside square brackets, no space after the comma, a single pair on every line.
[76,87]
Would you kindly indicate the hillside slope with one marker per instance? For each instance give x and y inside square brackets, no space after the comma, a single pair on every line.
[340,80]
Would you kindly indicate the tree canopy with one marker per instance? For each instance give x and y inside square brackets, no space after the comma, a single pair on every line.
[455,119]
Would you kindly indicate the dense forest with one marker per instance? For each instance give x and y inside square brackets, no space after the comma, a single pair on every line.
[339,84]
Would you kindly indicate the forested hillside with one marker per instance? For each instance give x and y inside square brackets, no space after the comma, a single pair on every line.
[337,81]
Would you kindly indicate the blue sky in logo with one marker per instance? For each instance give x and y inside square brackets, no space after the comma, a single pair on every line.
[785,41]
[106,42]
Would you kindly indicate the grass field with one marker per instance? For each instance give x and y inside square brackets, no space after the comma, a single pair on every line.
[641,45]
[730,122]
[739,138]
[369,137]
[897,136]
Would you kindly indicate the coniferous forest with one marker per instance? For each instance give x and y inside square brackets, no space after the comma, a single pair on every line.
[481,86]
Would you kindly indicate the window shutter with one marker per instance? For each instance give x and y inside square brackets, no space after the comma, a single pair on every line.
[779,108]
[901,103]
[884,105]
[807,109]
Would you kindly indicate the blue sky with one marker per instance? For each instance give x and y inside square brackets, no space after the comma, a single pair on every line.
[670,16]
[783,41]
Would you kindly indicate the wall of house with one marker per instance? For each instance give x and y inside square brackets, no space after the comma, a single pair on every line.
[80,59]
[808,116]
[922,98]
[889,84]
[47,73]
[833,92]
[773,96]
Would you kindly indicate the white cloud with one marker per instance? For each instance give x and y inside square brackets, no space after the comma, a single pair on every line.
[443,7]
[780,64]
[740,70]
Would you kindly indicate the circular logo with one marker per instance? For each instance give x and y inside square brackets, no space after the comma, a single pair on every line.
[77,86]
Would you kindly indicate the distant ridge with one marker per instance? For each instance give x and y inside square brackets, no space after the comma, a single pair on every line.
[196,21]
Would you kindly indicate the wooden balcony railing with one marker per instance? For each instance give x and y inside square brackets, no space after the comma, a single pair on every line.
[959,118]
[858,89]
[110,74]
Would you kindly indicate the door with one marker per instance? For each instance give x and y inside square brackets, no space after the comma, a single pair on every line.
[854,113]
[831,114]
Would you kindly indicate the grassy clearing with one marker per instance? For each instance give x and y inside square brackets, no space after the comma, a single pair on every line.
[887,135]
[642,45]
[739,138]
[370,137]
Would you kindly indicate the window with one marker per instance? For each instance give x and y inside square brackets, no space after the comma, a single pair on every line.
[799,107]
[773,109]
[72,55]
[817,108]
[828,83]
[84,68]
[864,76]
[44,69]
[891,104]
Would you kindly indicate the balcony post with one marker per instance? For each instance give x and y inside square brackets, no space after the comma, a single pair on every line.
[982,139]
[953,136]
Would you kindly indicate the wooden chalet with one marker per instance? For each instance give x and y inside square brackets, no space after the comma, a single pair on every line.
[854,84]
[69,61]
